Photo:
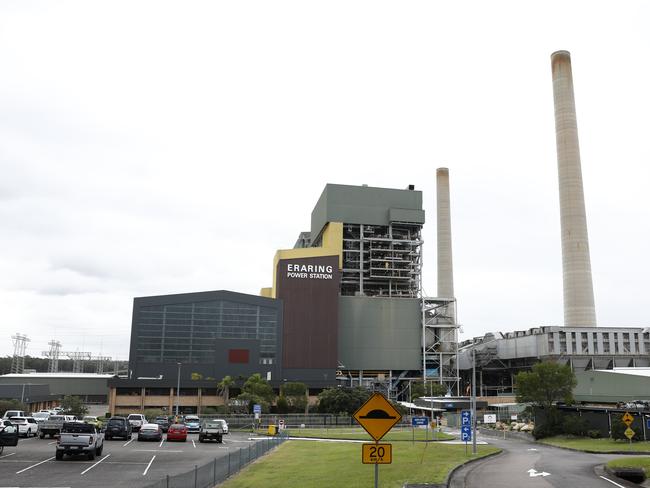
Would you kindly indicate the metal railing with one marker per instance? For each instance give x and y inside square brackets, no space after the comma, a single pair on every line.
[219,469]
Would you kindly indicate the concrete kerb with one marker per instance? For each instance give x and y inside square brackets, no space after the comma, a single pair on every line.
[451,473]
[589,451]
[602,470]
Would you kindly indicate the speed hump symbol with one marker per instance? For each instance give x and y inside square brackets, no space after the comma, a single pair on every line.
[377,416]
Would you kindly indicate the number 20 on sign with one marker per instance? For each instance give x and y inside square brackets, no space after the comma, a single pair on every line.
[377,453]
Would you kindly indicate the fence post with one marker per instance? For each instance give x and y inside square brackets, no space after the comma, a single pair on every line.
[195,475]
[228,462]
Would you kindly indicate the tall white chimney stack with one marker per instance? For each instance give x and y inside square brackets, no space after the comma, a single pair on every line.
[445,266]
[579,307]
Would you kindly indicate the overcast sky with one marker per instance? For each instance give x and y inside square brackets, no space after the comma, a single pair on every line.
[166,147]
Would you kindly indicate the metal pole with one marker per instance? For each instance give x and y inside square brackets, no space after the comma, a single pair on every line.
[214,472]
[376,475]
[473,400]
[195,475]
[178,387]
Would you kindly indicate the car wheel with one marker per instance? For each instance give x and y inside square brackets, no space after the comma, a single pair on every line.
[59,455]
[99,450]
[128,437]
[41,435]
[91,456]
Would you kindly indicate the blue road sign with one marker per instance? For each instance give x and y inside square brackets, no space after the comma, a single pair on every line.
[466,433]
[647,423]
[419,421]
[257,408]
[466,417]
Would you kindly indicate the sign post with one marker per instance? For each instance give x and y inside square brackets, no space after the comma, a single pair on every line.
[466,427]
[377,416]
[418,421]
[627,420]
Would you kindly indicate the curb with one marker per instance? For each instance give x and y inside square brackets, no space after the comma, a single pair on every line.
[602,469]
[633,453]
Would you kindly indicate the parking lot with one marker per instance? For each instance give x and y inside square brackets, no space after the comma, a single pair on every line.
[123,463]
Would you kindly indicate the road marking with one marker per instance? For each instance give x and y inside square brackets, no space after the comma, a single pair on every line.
[194,443]
[34,465]
[533,473]
[612,482]
[50,443]
[161,442]
[127,443]
[148,466]
[7,455]
[531,449]
[156,450]
[102,459]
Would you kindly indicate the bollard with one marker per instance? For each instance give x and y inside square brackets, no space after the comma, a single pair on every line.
[195,475]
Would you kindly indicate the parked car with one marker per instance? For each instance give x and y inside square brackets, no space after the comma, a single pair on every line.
[193,423]
[91,419]
[14,413]
[118,427]
[137,420]
[211,429]
[224,426]
[150,432]
[163,422]
[27,426]
[177,432]
[8,434]
[79,438]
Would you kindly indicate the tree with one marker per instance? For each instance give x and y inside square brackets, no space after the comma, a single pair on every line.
[224,385]
[257,390]
[72,405]
[12,405]
[295,396]
[342,400]
[547,383]
[419,389]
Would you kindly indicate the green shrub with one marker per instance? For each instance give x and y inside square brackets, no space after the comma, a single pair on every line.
[574,425]
[594,434]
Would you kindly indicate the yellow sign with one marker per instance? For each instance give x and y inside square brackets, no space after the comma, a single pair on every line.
[627,419]
[377,453]
[629,433]
[377,416]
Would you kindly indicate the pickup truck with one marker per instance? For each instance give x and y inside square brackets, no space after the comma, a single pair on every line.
[79,438]
[211,429]
[52,426]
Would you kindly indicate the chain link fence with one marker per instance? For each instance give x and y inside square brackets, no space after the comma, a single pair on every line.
[219,469]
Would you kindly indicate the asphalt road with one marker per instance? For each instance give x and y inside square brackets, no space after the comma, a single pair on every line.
[122,464]
[552,467]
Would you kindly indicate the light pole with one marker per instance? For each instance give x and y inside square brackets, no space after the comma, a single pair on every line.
[473,400]
[178,387]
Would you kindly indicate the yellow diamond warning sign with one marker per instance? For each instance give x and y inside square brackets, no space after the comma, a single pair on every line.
[627,419]
[377,416]
[629,433]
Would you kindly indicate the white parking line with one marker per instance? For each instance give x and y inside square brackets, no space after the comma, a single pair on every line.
[7,455]
[194,443]
[34,465]
[50,443]
[127,443]
[612,482]
[148,466]
[102,459]
[161,442]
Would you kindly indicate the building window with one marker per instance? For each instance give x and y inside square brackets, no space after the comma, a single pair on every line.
[239,356]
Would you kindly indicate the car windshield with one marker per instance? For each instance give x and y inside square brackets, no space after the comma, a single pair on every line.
[18,420]
[92,419]
[191,419]
[57,417]
[116,422]
[214,424]
[135,416]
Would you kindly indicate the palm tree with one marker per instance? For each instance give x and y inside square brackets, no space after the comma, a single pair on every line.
[225,385]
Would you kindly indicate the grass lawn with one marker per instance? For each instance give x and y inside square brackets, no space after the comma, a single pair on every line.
[395,434]
[600,445]
[309,464]
[631,462]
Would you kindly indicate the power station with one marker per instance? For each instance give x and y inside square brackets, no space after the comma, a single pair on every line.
[345,305]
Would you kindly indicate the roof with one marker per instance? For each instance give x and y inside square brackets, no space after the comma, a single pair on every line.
[418,407]
[631,371]
[57,375]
